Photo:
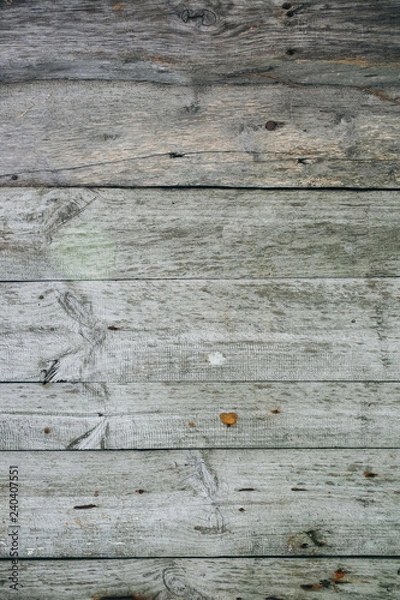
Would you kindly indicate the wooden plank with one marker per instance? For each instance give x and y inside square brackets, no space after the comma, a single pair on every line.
[155,416]
[203,579]
[188,233]
[127,331]
[202,503]
[123,134]
[207,42]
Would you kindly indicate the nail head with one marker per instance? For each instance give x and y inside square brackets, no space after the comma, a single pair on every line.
[270,125]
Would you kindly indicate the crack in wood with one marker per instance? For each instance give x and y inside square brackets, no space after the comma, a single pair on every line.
[378,93]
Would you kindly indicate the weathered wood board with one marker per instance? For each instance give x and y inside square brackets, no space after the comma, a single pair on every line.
[187,233]
[227,359]
[184,415]
[122,134]
[205,579]
[202,42]
[127,331]
[206,503]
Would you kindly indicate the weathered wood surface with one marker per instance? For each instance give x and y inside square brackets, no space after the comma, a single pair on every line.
[205,579]
[156,416]
[127,331]
[201,42]
[204,503]
[122,134]
[188,233]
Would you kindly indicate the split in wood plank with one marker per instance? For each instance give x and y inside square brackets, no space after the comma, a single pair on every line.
[60,416]
[196,233]
[117,133]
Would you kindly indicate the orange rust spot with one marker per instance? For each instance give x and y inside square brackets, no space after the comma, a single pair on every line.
[191,424]
[41,297]
[228,419]
[118,7]
[339,573]
[276,411]
[370,474]
[47,430]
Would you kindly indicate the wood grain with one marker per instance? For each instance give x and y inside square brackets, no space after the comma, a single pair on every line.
[204,579]
[156,416]
[237,349]
[190,233]
[206,41]
[204,503]
[123,134]
[132,331]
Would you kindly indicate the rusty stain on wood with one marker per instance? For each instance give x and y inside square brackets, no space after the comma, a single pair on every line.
[229,419]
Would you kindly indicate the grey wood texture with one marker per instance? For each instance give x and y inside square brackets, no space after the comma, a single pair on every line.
[187,233]
[205,579]
[122,134]
[201,42]
[237,349]
[205,503]
[127,331]
[156,416]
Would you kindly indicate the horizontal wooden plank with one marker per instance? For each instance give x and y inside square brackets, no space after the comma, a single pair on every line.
[127,331]
[123,134]
[206,42]
[151,415]
[201,503]
[203,579]
[188,233]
